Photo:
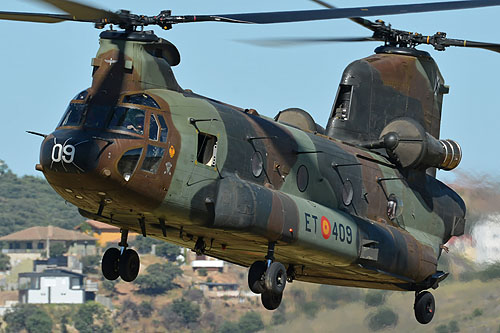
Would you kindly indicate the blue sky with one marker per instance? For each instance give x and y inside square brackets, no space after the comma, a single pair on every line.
[44,65]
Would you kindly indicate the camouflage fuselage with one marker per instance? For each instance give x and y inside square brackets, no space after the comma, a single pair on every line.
[240,180]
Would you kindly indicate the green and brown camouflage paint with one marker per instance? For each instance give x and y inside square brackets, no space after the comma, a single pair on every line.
[335,231]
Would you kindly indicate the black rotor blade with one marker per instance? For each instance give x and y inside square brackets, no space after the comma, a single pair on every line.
[34,17]
[283,42]
[80,11]
[326,14]
[466,43]
[359,20]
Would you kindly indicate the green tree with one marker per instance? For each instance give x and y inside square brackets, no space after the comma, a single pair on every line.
[4,262]
[167,250]
[453,325]
[310,309]
[146,309]
[188,311]
[279,316]
[143,244]
[442,329]
[90,264]
[375,298]
[332,296]
[92,317]
[250,322]
[159,279]
[57,249]
[29,201]
[28,317]
[383,318]
[477,312]
[229,327]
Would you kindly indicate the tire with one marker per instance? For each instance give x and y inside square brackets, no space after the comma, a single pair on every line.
[110,264]
[270,300]
[255,273]
[129,265]
[275,280]
[424,307]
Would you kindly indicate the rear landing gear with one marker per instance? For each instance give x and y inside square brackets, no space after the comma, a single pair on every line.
[122,263]
[424,307]
[268,278]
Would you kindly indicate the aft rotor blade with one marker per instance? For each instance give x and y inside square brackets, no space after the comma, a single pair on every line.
[359,20]
[281,42]
[327,14]
[34,17]
[80,11]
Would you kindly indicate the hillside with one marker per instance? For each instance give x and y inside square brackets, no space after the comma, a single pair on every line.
[30,201]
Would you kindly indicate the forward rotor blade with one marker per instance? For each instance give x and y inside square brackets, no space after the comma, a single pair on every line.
[34,17]
[479,45]
[359,20]
[326,14]
[283,42]
[80,11]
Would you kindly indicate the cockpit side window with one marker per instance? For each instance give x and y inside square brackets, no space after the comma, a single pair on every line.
[164,129]
[141,99]
[153,128]
[127,119]
[74,115]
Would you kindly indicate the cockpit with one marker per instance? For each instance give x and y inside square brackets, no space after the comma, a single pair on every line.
[135,116]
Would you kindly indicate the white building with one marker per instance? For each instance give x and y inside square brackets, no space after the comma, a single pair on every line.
[53,286]
[486,238]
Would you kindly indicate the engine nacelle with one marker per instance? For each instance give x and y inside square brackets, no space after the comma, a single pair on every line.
[409,145]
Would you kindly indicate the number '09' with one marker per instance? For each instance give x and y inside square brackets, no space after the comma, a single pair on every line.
[63,153]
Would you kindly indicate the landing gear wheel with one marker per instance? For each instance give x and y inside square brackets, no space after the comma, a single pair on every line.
[270,300]
[255,273]
[275,280]
[110,264]
[424,307]
[129,265]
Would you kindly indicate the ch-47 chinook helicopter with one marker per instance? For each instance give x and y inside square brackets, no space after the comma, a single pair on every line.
[356,204]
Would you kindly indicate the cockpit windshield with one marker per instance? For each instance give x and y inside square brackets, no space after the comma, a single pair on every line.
[73,115]
[127,119]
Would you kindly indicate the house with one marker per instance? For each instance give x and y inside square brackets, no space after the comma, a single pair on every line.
[216,290]
[207,263]
[54,286]
[103,232]
[38,239]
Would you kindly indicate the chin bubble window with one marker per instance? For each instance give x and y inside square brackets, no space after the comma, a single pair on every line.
[128,163]
[152,159]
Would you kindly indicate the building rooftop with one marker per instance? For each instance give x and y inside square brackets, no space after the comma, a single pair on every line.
[44,233]
[101,226]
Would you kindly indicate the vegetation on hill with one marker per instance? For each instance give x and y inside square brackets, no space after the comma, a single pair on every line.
[30,201]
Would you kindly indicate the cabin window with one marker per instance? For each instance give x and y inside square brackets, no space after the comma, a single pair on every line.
[153,128]
[97,116]
[164,129]
[127,119]
[207,149]
[128,162]
[152,159]
[347,192]
[257,164]
[302,178]
[342,106]
[141,99]
[73,115]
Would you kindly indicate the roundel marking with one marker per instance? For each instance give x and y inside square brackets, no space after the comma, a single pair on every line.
[326,228]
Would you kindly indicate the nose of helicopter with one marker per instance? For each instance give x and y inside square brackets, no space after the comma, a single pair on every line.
[70,152]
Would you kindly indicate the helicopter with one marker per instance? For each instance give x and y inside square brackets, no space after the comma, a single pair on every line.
[353,204]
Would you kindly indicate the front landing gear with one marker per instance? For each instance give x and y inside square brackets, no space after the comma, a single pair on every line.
[122,263]
[268,278]
[424,307]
